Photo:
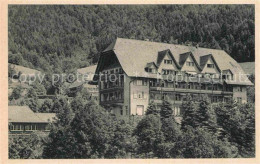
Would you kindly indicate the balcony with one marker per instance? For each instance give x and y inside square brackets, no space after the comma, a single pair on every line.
[156,101]
[186,90]
[227,92]
[115,101]
[112,89]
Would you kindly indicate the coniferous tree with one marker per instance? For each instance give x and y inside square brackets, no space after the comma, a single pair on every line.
[149,135]
[151,109]
[205,115]
[166,110]
[189,113]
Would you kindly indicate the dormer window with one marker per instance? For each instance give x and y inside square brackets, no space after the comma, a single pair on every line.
[151,70]
[227,77]
[190,63]
[210,65]
[167,71]
[167,61]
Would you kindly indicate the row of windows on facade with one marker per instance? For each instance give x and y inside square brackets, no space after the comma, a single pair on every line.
[117,95]
[111,84]
[156,83]
[184,73]
[183,97]
[113,71]
[196,86]
[167,61]
[183,85]
[27,127]
[139,110]
[194,74]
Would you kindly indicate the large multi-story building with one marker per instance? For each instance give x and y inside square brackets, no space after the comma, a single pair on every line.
[133,73]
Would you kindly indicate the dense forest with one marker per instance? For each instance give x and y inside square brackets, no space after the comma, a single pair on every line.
[64,38]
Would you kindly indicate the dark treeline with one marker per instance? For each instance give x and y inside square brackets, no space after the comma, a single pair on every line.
[63,38]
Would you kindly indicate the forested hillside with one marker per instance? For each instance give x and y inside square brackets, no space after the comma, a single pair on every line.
[64,38]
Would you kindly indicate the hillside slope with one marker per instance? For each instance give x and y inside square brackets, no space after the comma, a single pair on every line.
[64,38]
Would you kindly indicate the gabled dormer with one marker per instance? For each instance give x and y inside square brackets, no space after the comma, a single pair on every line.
[151,67]
[227,74]
[209,65]
[188,63]
[166,62]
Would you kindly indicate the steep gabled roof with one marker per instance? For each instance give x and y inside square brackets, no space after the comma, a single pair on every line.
[184,57]
[204,59]
[248,67]
[161,56]
[133,55]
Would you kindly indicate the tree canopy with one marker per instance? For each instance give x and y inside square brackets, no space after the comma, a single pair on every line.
[61,38]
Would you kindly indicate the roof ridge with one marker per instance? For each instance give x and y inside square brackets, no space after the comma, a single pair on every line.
[118,38]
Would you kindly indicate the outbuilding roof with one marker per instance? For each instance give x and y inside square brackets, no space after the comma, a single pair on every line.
[23,114]
[133,55]
[87,70]
[47,117]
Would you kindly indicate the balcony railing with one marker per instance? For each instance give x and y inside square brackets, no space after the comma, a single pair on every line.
[112,88]
[187,90]
[156,101]
[114,101]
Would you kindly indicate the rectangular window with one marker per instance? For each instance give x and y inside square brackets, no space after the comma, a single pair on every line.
[135,95]
[210,65]
[121,112]
[215,87]
[190,63]
[11,127]
[140,95]
[177,97]
[167,61]
[215,99]
[119,95]
[177,111]
[239,99]
[139,82]
[145,82]
[111,96]
[167,71]
[102,97]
